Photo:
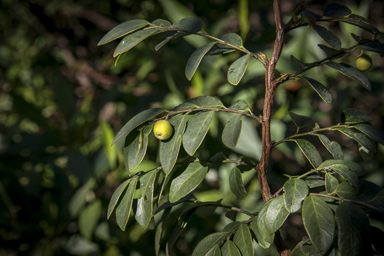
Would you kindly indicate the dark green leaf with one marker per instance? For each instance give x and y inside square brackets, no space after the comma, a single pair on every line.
[336,10]
[261,226]
[328,37]
[185,106]
[353,230]
[331,52]
[236,184]
[354,116]
[231,38]
[135,152]
[368,190]
[208,242]
[145,202]
[371,131]
[218,157]
[215,251]
[187,181]
[295,191]
[123,210]
[243,240]
[361,139]
[300,121]
[276,214]
[307,12]
[191,24]
[346,191]
[230,249]
[195,59]
[237,69]
[88,218]
[332,146]
[206,102]
[168,204]
[354,167]
[306,250]
[161,23]
[299,63]
[197,128]
[310,152]
[231,132]
[122,30]
[360,22]
[133,39]
[319,223]
[331,183]
[115,197]
[260,240]
[169,149]
[373,47]
[137,120]
[241,105]
[320,89]
[346,173]
[314,181]
[351,72]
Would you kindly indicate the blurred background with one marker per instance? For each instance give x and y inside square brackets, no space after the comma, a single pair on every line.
[62,100]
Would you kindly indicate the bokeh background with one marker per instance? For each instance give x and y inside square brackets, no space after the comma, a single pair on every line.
[62,100]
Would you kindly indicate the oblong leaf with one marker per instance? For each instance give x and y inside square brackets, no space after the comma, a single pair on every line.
[314,181]
[137,120]
[195,59]
[331,183]
[133,39]
[231,132]
[346,191]
[276,215]
[371,131]
[295,191]
[187,181]
[206,102]
[145,203]
[231,38]
[332,146]
[351,72]
[169,149]
[230,249]
[309,151]
[115,197]
[122,30]
[237,69]
[360,22]
[243,240]
[320,89]
[215,251]
[331,52]
[354,116]
[136,150]
[328,37]
[354,167]
[208,242]
[197,128]
[123,210]
[319,223]
[241,105]
[346,173]
[336,10]
[261,226]
[360,138]
[306,250]
[299,63]
[236,183]
[300,121]
[191,24]
[373,47]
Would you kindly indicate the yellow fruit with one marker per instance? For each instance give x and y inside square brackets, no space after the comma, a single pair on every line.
[162,130]
[363,62]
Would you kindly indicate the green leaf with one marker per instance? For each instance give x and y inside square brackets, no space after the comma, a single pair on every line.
[135,152]
[137,120]
[314,181]
[123,210]
[360,22]
[191,24]
[276,215]
[241,105]
[371,131]
[319,223]
[169,149]
[346,191]
[231,132]
[236,183]
[208,242]
[373,47]
[237,69]
[300,121]
[161,23]
[230,249]
[145,202]
[310,152]
[299,63]
[351,72]
[320,89]
[361,138]
[260,240]
[231,38]
[187,181]
[243,240]
[336,10]
[133,39]
[197,128]
[354,167]
[346,173]
[354,116]
[215,251]
[261,225]
[206,102]
[88,219]
[195,59]
[115,197]
[332,146]
[295,191]
[306,250]
[328,37]
[331,183]
[353,230]
[122,30]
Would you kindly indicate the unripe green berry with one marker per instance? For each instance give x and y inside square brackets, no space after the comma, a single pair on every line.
[363,62]
[162,130]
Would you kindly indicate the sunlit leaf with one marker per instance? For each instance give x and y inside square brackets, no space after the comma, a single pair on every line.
[354,167]
[133,39]
[371,131]
[276,214]
[260,240]
[230,249]
[236,184]
[336,10]
[351,72]
[320,89]
[215,251]
[195,59]
[295,191]
[122,30]
[328,37]
[136,150]
[231,132]
[261,225]
[300,121]
[115,197]
[197,128]
[243,240]
[310,152]
[187,181]
[208,242]
[237,69]
[332,146]
[319,223]
[145,202]
[314,181]
[123,210]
